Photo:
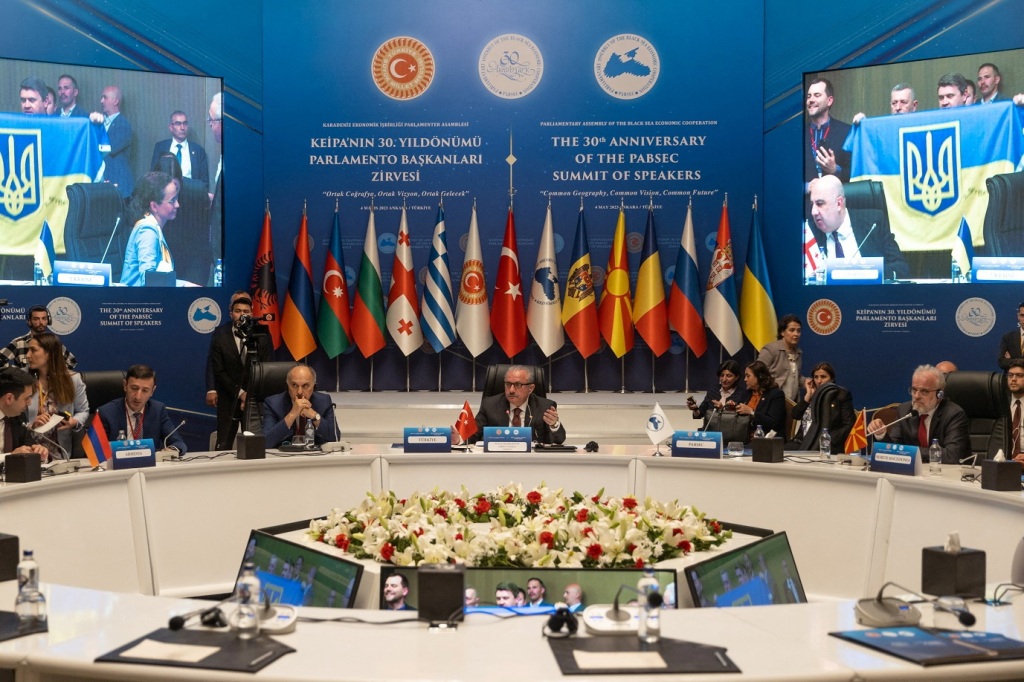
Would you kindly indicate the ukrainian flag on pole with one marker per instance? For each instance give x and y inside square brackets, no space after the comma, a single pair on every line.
[45,254]
[757,310]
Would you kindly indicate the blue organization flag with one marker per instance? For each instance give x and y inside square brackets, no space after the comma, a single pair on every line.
[42,155]
[45,254]
[438,302]
[933,166]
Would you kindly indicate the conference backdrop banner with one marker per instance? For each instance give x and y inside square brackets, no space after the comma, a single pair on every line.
[613,115]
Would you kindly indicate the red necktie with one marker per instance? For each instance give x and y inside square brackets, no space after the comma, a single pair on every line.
[137,428]
[1015,431]
[922,430]
[516,421]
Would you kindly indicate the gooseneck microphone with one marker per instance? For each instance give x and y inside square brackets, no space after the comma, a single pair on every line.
[879,611]
[168,436]
[654,600]
[862,241]
[908,415]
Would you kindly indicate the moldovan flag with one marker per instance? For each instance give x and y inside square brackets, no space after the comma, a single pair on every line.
[963,249]
[299,315]
[757,310]
[368,309]
[96,443]
[438,303]
[579,308]
[472,315]
[263,284]
[685,308]
[614,313]
[334,321]
[466,425]
[45,255]
[858,438]
[508,319]
[649,313]
[543,316]
[403,316]
[720,297]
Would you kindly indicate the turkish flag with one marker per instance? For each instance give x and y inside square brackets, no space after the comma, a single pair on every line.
[466,425]
[508,316]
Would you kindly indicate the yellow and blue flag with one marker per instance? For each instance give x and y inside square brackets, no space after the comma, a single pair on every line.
[757,310]
[45,254]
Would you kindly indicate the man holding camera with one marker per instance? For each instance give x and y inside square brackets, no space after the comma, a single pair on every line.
[230,347]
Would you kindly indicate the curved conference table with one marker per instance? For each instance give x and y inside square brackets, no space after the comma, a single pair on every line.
[178,530]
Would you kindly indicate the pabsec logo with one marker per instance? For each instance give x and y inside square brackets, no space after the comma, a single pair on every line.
[204,315]
[627,66]
[511,66]
[975,317]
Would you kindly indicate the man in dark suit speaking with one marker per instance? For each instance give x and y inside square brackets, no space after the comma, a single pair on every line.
[841,235]
[137,415]
[286,414]
[519,406]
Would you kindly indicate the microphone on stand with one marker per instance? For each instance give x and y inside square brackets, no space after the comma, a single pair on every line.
[908,415]
[168,436]
[109,241]
[654,600]
[879,611]
[861,245]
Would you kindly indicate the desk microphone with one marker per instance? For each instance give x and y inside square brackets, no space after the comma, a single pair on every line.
[861,245]
[178,622]
[168,436]
[908,415]
[654,600]
[879,611]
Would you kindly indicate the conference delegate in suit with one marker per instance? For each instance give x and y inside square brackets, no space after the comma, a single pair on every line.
[199,168]
[500,410]
[228,366]
[285,414]
[137,415]
[1011,346]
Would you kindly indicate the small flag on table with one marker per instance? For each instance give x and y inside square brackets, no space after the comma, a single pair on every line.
[96,443]
[658,428]
[858,438]
[466,425]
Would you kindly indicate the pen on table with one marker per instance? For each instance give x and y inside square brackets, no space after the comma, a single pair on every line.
[721,659]
[259,659]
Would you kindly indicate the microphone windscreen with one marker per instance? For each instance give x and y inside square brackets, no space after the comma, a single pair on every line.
[967,618]
[914,413]
[176,623]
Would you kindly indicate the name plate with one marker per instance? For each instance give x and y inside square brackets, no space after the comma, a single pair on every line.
[133,454]
[704,444]
[427,438]
[869,270]
[895,458]
[997,269]
[508,439]
[79,274]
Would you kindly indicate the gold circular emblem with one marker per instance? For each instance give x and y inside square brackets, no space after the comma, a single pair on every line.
[403,68]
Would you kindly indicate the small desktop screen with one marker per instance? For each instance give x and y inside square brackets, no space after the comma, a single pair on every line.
[758,574]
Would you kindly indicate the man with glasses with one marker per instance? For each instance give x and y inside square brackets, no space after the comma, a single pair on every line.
[519,406]
[191,157]
[937,418]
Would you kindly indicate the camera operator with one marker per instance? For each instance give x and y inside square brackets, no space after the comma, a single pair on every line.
[233,347]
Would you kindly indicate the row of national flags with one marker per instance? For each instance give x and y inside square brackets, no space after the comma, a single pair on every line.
[540,308]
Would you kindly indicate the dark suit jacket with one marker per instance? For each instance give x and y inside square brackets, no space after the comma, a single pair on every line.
[770,413]
[197,155]
[948,424]
[494,411]
[880,242]
[228,372]
[77,111]
[831,406]
[19,433]
[156,423]
[118,161]
[277,431]
[740,395]
[1010,343]
[837,134]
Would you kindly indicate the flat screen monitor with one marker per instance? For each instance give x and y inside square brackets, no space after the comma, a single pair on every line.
[75,174]
[491,585]
[293,574]
[758,574]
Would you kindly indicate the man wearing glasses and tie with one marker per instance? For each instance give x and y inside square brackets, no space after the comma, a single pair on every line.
[191,156]
[519,406]
[937,418]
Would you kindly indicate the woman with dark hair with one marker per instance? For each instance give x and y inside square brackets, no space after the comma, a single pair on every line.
[57,389]
[824,404]
[168,163]
[729,390]
[155,202]
[784,357]
[766,405]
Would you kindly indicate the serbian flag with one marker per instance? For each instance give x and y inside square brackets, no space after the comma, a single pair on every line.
[579,307]
[757,310]
[812,253]
[334,324]
[299,316]
[96,443]
[858,438]
[720,298]
[466,425]
[685,307]
[368,309]
[403,316]
[649,313]
[508,317]
[614,313]
[263,284]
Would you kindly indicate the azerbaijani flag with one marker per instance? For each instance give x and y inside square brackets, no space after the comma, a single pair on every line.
[333,323]
[96,443]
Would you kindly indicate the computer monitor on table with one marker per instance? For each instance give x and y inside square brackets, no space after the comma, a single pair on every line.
[758,574]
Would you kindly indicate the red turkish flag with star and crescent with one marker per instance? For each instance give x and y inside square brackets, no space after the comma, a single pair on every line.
[508,314]
[466,425]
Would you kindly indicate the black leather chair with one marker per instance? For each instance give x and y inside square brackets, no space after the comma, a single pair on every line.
[93,212]
[264,379]
[986,399]
[494,381]
[188,235]
[103,386]
[1004,218]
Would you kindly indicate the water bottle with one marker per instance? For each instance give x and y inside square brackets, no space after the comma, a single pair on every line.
[825,444]
[246,619]
[759,432]
[37,276]
[30,604]
[935,458]
[120,435]
[649,628]
[310,435]
[218,273]
[954,272]
[819,274]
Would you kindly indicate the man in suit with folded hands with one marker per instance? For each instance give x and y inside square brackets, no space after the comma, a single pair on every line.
[518,406]
[285,414]
[938,419]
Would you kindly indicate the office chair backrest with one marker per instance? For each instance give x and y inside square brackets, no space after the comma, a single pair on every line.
[264,379]
[93,211]
[494,382]
[103,386]
[1004,218]
[985,398]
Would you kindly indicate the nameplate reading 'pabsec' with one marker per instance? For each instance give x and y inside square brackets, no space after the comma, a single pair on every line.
[427,438]
[895,458]
[704,444]
[508,439]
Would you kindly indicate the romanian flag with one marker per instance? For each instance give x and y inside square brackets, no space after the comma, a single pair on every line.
[858,438]
[96,443]
[264,283]
[368,309]
[685,307]
[720,297]
[614,313]
[299,316]
[579,307]
[650,314]
[334,324]
[508,317]
[466,425]
[757,310]
[45,254]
